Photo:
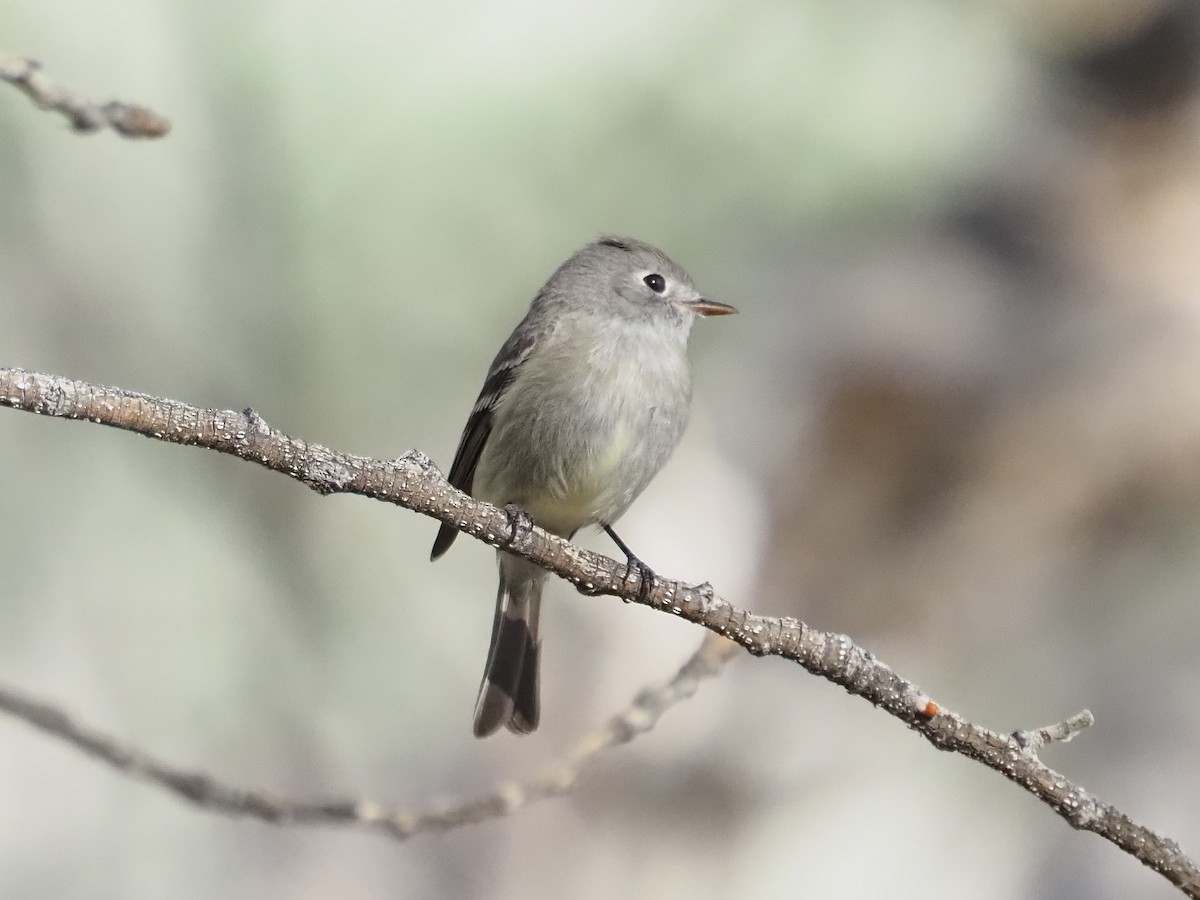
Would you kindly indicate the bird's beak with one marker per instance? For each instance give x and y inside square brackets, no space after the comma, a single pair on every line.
[702,307]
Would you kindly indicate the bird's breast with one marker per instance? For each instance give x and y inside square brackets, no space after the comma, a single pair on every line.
[586,427]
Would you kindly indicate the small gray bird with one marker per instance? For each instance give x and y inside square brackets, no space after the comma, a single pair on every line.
[580,409]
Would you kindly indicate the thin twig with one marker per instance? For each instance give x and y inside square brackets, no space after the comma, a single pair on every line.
[211,793]
[413,482]
[127,119]
[1060,733]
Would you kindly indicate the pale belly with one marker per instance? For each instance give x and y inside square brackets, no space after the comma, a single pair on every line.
[591,491]
[581,453]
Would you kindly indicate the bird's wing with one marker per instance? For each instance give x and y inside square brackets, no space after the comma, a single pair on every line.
[500,377]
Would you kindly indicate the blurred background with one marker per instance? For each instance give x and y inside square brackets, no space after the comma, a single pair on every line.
[958,418]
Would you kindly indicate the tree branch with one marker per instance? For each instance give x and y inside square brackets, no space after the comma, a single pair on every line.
[210,793]
[412,481]
[127,119]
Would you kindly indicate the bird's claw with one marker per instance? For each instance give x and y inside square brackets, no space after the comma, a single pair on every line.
[635,568]
[520,523]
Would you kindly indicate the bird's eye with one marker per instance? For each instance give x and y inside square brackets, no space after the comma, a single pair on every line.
[655,282]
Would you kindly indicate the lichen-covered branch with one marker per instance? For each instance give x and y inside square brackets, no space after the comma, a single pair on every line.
[212,793]
[127,119]
[413,482]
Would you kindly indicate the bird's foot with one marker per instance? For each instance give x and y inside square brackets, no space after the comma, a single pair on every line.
[634,567]
[520,523]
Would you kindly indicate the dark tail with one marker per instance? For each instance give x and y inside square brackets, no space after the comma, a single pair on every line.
[508,694]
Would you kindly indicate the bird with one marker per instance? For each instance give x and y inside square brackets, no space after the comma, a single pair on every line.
[580,409]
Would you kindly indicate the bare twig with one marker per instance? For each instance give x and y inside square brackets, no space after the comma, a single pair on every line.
[206,791]
[1033,741]
[127,119]
[413,482]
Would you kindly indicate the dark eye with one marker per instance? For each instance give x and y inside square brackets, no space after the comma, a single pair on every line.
[655,282]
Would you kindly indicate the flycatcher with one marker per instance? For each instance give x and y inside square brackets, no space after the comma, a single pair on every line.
[581,408]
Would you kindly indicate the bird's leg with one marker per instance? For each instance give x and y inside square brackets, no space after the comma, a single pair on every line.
[633,566]
[520,523]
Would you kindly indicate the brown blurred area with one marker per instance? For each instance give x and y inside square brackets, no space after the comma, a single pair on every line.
[1001,465]
[1013,403]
